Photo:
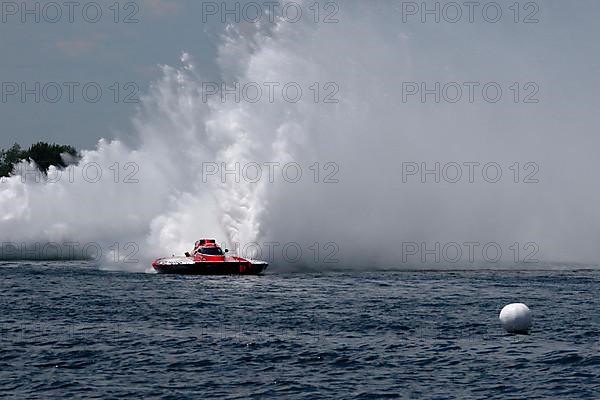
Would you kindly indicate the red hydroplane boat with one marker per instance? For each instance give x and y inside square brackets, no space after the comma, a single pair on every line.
[208,259]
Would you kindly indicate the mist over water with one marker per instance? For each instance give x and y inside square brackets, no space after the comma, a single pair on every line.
[368,133]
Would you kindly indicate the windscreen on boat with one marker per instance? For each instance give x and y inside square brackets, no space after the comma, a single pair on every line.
[211,251]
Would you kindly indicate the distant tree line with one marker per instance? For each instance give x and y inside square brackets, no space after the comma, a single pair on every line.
[43,154]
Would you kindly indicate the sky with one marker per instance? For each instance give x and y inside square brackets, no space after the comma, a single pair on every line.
[153,32]
[148,34]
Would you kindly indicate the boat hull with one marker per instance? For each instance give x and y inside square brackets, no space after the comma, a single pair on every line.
[190,267]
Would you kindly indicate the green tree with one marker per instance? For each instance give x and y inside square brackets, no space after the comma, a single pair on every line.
[9,158]
[43,154]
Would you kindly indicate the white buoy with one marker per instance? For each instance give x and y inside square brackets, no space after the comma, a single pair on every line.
[516,318]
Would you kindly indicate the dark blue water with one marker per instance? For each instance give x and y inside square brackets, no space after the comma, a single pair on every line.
[70,330]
